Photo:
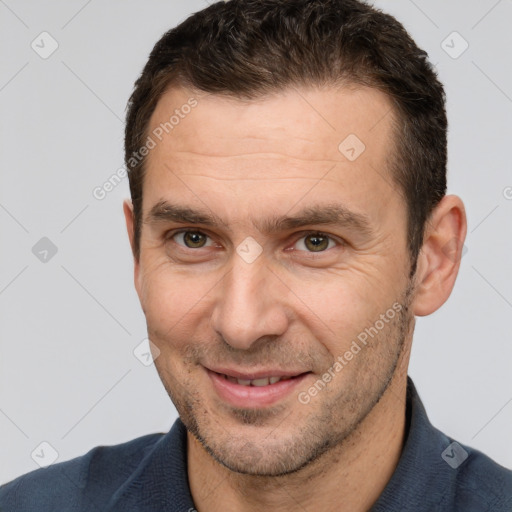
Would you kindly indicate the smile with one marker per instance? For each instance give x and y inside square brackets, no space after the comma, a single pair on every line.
[254,390]
[264,381]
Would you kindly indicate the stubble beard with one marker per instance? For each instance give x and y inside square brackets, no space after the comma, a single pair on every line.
[329,425]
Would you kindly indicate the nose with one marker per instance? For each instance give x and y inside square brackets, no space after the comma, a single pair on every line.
[249,304]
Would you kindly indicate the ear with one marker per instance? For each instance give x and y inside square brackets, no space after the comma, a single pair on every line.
[128,215]
[440,255]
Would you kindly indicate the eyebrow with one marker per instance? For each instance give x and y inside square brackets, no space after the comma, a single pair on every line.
[324,214]
[163,211]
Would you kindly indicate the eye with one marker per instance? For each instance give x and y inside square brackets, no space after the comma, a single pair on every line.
[191,239]
[315,242]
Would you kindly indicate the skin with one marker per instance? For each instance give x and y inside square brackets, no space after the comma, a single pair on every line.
[294,307]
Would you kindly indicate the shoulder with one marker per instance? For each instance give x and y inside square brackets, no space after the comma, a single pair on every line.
[83,483]
[480,483]
[435,472]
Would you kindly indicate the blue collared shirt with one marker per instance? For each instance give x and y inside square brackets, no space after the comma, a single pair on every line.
[434,474]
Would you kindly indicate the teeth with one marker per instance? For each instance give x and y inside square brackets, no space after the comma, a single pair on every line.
[265,381]
[260,382]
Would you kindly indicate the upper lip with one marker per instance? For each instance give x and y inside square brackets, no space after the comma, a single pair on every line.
[252,375]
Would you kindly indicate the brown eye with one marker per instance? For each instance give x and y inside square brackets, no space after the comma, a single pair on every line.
[315,242]
[191,239]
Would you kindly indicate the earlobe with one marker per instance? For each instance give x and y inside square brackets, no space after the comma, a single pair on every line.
[440,255]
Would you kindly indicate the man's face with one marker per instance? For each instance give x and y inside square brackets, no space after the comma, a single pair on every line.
[247,275]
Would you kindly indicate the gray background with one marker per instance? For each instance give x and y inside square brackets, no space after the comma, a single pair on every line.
[70,324]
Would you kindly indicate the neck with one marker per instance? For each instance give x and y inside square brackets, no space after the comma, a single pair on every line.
[350,477]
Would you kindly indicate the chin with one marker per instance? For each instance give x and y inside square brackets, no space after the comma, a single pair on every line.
[262,455]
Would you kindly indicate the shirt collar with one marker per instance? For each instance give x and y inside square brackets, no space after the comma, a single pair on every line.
[421,477]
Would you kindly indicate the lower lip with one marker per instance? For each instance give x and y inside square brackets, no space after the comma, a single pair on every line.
[253,397]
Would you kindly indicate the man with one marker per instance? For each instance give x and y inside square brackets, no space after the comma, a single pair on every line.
[289,219]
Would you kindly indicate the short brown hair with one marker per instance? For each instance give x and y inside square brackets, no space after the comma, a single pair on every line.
[249,48]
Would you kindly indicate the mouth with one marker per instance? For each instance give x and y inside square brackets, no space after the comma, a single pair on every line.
[254,390]
[263,381]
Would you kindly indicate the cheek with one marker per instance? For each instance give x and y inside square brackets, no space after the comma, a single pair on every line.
[172,301]
[340,305]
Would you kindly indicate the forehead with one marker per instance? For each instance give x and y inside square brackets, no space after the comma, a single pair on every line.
[251,156]
[298,123]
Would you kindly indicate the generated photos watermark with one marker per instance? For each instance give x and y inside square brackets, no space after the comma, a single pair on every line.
[100,192]
[305,397]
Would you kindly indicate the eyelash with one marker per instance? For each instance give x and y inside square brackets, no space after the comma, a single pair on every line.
[170,235]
